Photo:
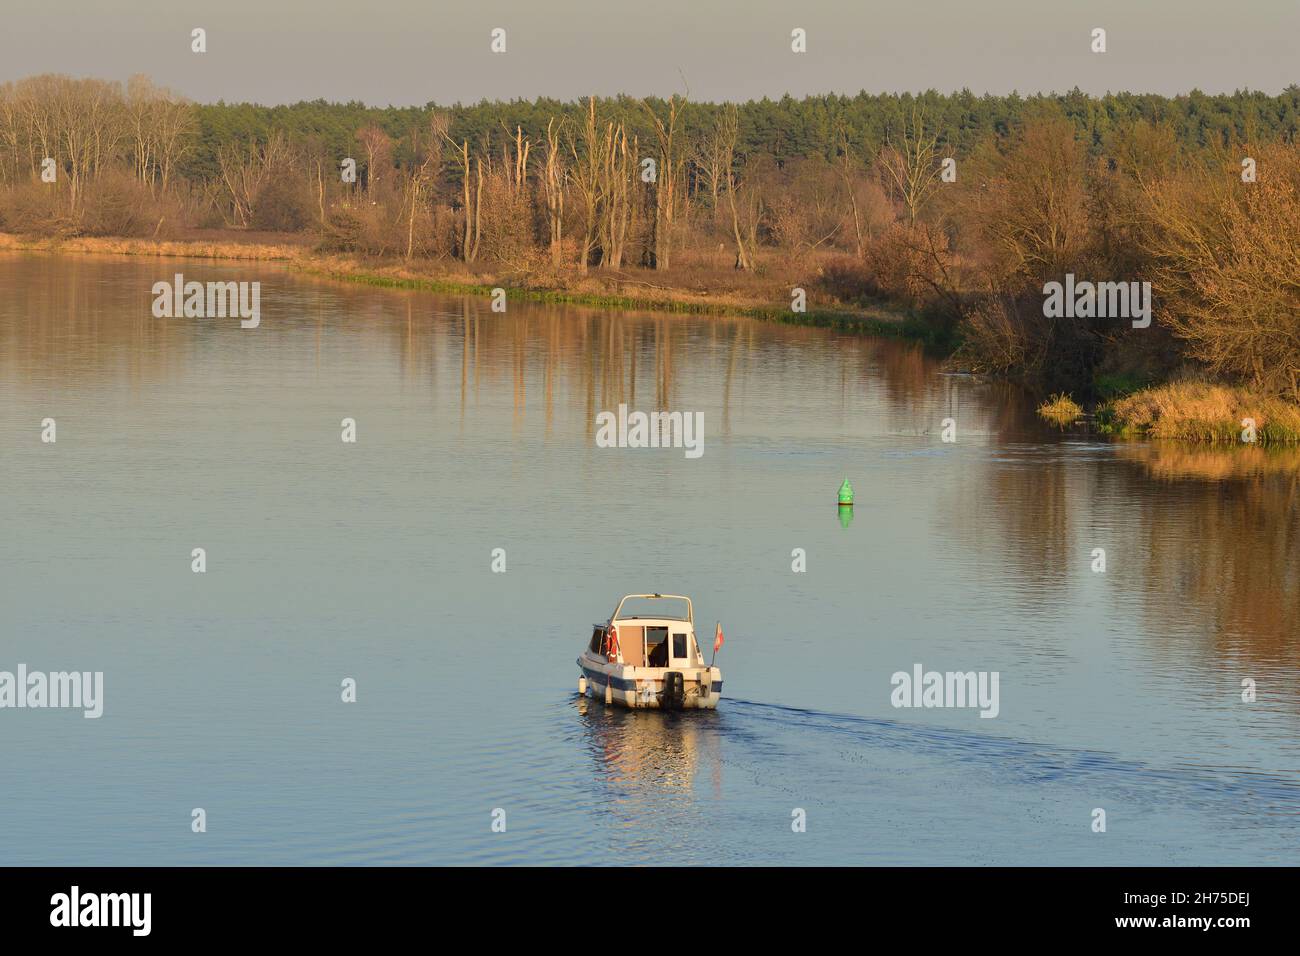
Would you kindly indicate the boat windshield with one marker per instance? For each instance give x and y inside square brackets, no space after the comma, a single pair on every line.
[662,608]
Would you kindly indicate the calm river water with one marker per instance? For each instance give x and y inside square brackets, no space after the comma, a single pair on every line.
[1118,690]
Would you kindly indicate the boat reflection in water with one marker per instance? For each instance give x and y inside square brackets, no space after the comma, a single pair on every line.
[653,764]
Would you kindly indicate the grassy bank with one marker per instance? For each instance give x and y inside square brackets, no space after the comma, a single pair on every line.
[613,293]
[1201,412]
[615,290]
[217,248]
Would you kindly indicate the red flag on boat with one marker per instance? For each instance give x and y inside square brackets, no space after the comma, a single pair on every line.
[717,640]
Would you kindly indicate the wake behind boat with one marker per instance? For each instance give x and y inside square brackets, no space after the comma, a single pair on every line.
[647,657]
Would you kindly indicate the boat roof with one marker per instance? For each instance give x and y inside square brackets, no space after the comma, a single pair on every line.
[618,614]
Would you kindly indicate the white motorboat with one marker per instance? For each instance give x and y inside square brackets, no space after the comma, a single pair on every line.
[646,656]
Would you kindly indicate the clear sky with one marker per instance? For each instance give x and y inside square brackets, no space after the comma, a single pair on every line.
[415,51]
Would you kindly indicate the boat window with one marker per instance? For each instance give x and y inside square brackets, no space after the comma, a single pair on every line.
[679,646]
[656,646]
[597,640]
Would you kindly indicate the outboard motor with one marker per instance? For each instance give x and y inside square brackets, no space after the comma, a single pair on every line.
[674,695]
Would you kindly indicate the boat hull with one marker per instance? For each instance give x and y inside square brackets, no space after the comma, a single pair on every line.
[644,688]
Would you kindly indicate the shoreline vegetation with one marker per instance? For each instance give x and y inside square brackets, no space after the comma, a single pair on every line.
[1165,226]
[614,291]
[1203,412]
[1190,411]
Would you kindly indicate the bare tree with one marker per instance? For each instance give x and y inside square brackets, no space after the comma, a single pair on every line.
[908,164]
[424,173]
[378,146]
[1227,262]
[514,153]
[161,128]
[615,191]
[666,178]
[472,202]
[586,178]
[80,122]
[709,160]
[553,178]
[174,134]
[722,144]
[246,168]
[13,131]
[849,165]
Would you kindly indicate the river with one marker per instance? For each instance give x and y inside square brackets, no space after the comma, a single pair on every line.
[1120,689]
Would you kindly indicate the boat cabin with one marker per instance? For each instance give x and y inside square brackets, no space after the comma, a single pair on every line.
[649,636]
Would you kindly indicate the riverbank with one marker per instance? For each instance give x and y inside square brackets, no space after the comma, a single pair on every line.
[1189,411]
[1203,412]
[599,288]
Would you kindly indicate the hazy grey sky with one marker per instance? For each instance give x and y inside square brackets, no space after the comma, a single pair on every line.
[413,51]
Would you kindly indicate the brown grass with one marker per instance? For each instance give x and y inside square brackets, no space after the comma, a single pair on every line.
[1205,412]
[162,248]
[1061,410]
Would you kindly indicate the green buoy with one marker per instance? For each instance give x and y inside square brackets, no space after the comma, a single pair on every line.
[846,493]
[846,515]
